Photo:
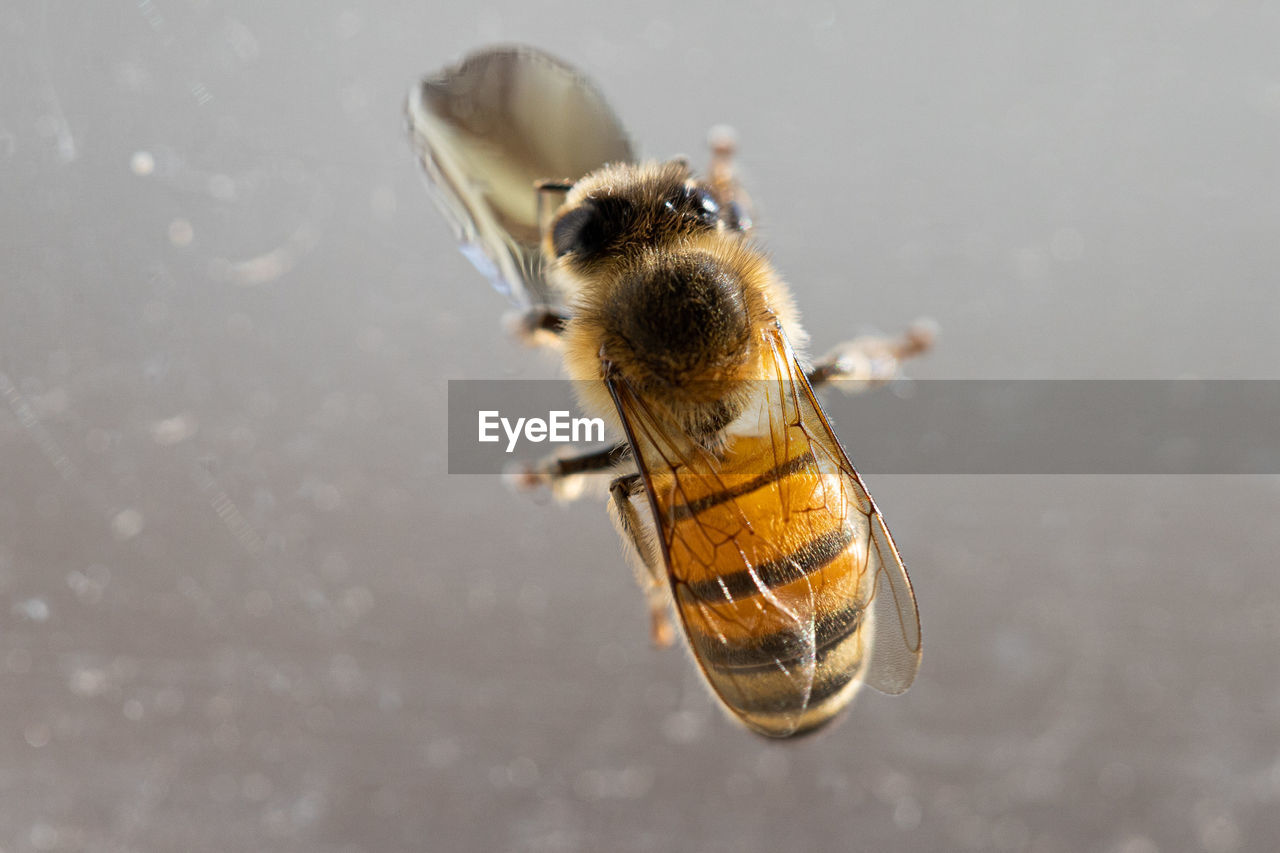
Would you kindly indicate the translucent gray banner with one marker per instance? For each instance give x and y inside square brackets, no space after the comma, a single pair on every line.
[940,427]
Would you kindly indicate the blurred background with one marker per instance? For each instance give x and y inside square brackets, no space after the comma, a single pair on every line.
[244,607]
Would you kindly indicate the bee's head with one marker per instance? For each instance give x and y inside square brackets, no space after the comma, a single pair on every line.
[618,211]
[662,288]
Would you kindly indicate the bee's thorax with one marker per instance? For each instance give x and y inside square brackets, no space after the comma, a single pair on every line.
[676,319]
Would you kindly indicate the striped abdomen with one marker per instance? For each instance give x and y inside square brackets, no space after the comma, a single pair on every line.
[768,558]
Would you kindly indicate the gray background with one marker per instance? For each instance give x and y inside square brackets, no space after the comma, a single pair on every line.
[243,607]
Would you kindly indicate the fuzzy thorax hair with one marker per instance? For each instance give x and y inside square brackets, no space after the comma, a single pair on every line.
[684,325]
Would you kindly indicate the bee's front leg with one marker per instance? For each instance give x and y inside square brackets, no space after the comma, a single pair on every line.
[649,567]
[870,361]
[735,205]
[542,325]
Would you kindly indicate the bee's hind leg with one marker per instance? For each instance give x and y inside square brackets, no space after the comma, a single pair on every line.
[648,565]
[870,361]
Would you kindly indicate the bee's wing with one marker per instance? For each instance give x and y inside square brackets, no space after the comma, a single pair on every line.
[895,653]
[489,130]
[756,646]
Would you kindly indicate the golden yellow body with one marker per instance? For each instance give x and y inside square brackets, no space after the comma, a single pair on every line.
[733,493]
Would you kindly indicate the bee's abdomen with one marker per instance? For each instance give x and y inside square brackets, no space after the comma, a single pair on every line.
[769,578]
[788,682]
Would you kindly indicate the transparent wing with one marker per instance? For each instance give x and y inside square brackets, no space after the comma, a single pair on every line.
[488,131]
[752,633]
[895,651]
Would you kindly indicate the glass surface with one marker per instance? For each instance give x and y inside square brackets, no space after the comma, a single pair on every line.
[243,606]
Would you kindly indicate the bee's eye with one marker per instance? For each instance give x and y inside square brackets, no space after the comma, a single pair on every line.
[695,202]
[577,231]
[703,205]
[592,226]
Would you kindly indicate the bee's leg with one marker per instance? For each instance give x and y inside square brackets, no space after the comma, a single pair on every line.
[871,361]
[539,326]
[648,566]
[542,325]
[734,202]
[563,475]
[551,195]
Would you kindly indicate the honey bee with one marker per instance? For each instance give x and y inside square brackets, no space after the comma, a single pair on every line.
[732,494]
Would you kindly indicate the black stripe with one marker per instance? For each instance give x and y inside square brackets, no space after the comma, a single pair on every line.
[784,649]
[785,703]
[794,465]
[810,557]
